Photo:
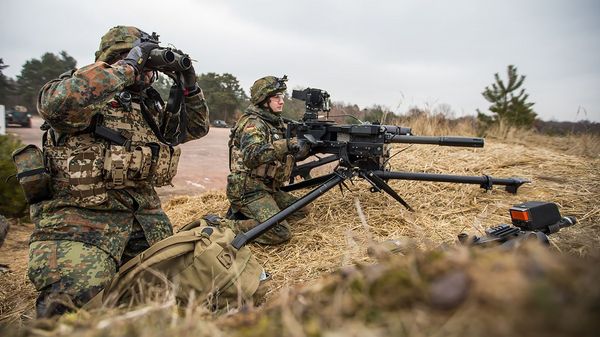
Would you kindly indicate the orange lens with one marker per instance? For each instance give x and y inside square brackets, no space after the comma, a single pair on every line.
[519,215]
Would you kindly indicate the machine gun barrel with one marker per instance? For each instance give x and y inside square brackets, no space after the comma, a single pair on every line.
[442,141]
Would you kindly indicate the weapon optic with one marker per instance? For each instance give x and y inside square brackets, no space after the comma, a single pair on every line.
[360,150]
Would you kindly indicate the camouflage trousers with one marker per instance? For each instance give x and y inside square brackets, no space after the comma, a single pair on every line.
[259,205]
[74,251]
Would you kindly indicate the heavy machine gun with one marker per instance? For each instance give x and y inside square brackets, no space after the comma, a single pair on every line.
[360,150]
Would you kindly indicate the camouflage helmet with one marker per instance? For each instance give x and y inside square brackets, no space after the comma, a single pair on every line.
[116,41]
[266,87]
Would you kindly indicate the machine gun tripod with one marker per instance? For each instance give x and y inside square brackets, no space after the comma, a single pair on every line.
[340,175]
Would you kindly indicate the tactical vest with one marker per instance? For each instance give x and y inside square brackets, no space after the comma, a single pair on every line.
[278,171]
[119,151]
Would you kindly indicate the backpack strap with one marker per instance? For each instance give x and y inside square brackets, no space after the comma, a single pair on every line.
[181,237]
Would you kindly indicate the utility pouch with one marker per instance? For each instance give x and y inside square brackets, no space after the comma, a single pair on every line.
[32,174]
[285,170]
[161,164]
[141,163]
[175,154]
[116,165]
[287,167]
[85,172]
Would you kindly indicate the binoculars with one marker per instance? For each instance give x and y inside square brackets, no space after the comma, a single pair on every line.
[166,59]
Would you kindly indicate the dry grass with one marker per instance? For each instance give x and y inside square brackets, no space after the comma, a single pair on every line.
[343,224]
[332,235]
[585,145]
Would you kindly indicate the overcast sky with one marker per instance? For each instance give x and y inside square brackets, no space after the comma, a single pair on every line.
[395,53]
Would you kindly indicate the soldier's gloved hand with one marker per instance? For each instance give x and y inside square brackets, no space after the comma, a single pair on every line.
[189,81]
[300,148]
[189,77]
[138,55]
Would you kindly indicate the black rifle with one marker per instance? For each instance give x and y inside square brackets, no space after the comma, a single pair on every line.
[360,151]
[533,221]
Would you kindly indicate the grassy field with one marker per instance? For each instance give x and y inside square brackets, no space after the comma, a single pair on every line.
[326,284]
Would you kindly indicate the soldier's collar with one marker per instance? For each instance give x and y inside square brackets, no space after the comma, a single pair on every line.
[266,114]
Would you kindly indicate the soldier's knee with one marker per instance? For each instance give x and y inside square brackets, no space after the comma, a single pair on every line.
[307,209]
[68,274]
[278,234]
[301,213]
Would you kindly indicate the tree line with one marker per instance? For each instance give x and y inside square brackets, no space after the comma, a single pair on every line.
[223,92]
[509,103]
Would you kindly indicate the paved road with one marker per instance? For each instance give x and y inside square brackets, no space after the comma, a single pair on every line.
[203,164]
[31,135]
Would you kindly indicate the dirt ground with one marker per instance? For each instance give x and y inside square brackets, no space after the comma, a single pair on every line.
[202,167]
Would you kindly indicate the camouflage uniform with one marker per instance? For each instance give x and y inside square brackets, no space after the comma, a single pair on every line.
[104,160]
[260,163]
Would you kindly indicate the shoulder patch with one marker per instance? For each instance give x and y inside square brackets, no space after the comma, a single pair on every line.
[249,127]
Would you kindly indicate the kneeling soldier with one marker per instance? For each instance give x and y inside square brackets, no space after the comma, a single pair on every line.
[261,161]
[109,142]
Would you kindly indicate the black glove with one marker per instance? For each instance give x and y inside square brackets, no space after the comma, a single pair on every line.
[188,76]
[138,55]
[299,148]
[189,80]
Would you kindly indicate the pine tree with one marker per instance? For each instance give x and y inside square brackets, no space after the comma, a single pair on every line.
[507,106]
[6,86]
[35,73]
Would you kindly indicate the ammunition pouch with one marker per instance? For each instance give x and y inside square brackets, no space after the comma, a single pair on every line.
[164,163]
[32,173]
[277,171]
[87,172]
[85,175]
[155,163]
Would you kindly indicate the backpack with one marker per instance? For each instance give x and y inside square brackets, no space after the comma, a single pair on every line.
[198,259]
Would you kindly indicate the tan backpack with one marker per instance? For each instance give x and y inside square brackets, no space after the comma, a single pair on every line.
[198,259]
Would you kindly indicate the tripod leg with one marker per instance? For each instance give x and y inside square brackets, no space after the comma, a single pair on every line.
[244,238]
[382,185]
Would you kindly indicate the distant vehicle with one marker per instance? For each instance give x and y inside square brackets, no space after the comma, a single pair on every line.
[218,123]
[18,116]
